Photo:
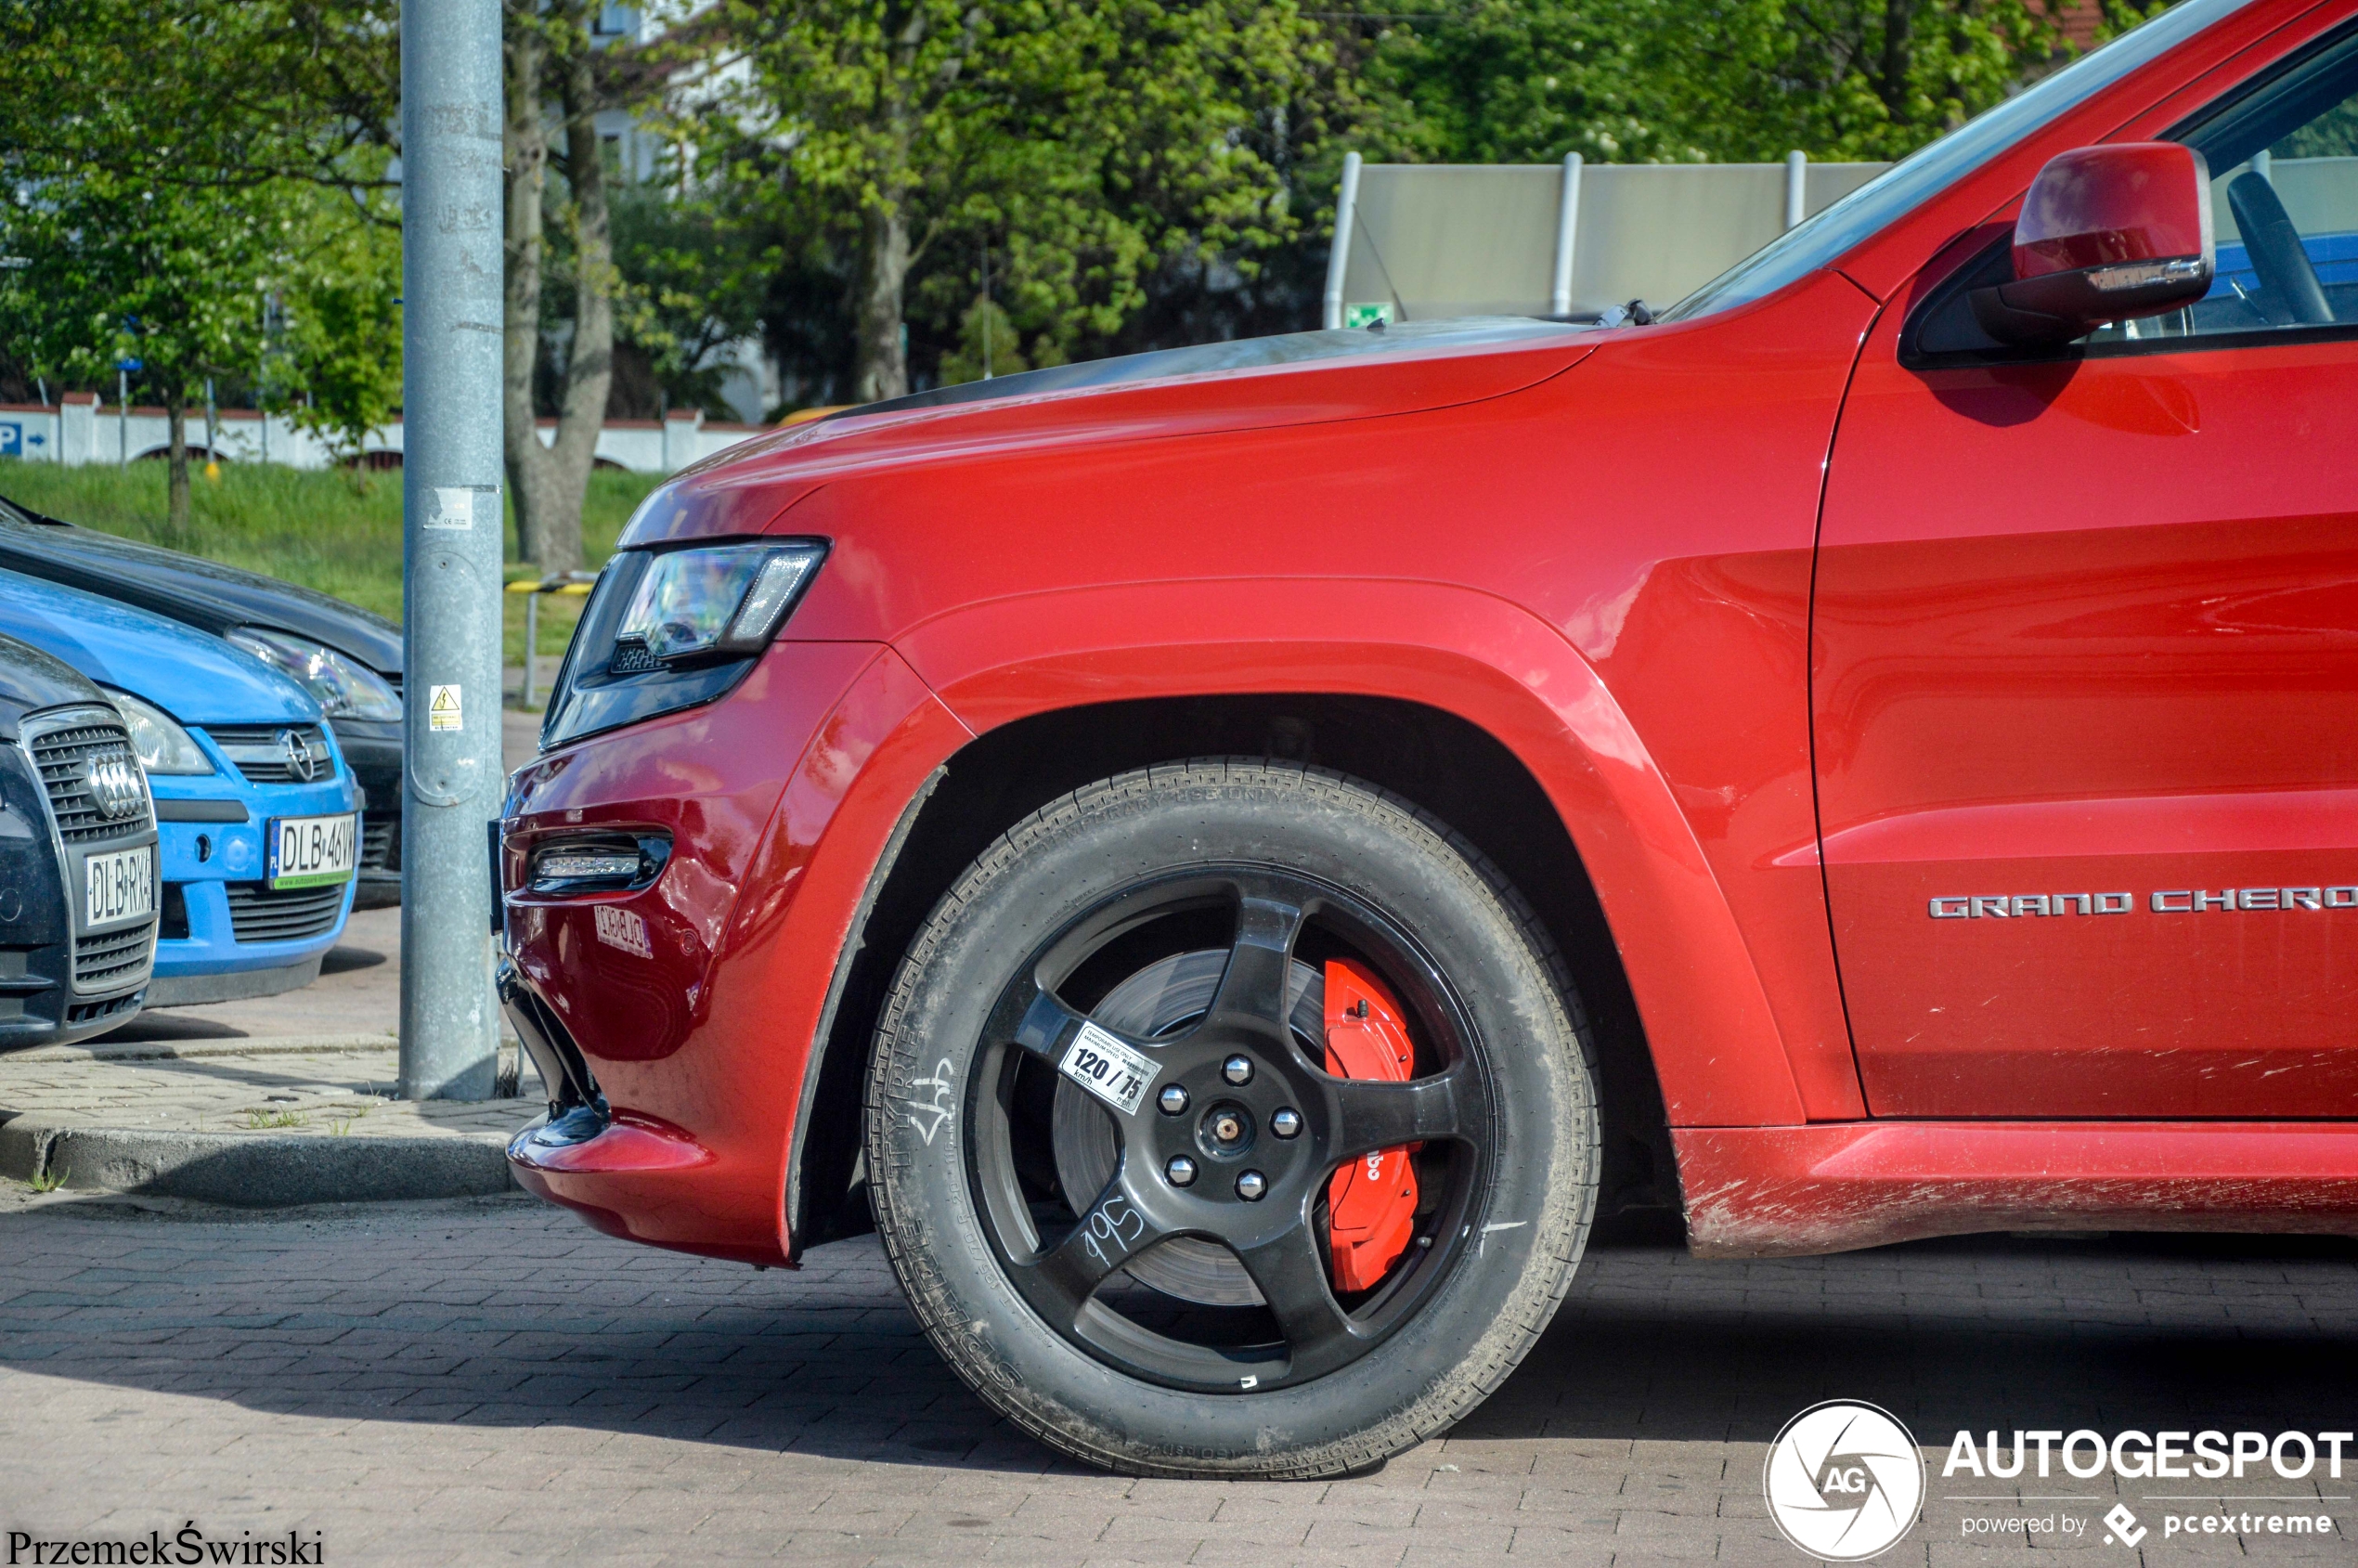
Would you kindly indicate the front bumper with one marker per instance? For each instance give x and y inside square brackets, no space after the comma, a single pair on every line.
[691,1005]
[219,917]
[43,1000]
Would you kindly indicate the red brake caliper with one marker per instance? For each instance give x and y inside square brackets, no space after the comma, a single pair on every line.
[1371,1202]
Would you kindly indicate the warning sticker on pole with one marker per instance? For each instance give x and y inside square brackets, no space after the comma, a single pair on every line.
[442,708]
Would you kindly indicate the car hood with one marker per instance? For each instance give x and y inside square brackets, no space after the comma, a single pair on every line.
[201,593]
[30,679]
[1298,378]
[196,677]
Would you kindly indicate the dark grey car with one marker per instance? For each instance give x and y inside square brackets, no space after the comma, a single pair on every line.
[78,858]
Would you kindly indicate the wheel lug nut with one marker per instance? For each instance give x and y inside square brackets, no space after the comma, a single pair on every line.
[1173,1100]
[1181,1171]
[1250,1186]
[1285,1122]
[1237,1069]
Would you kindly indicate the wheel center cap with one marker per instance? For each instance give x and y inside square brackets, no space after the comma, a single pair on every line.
[1226,1129]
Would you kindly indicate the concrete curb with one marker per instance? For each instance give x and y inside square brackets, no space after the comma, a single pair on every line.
[251,1172]
[196,1050]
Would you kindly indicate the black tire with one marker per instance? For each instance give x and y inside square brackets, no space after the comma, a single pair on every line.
[957,1069]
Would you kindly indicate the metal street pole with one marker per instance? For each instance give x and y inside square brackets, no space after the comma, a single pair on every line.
[452,528]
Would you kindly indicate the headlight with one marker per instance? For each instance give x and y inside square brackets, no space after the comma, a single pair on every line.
[691,604]
[343,686]
[669,629]
[164,746]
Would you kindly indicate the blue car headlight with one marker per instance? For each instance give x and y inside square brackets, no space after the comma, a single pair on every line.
[161,745]
[667,629]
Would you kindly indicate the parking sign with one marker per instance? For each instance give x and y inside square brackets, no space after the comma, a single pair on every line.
[11,439]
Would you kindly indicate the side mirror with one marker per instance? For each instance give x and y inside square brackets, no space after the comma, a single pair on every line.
[2106,233]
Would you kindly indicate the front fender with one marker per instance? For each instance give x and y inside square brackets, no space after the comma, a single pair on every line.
[1715,1045]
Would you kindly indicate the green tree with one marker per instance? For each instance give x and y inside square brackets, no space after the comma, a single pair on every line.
[1671,80]
[169,282]
[176,169]
[1088,139]
[342,301]
[558,81]
[695,275]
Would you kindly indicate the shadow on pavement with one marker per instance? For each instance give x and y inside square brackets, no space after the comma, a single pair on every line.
[501,1313]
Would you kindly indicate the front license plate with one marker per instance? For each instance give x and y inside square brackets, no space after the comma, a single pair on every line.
[313,851]
[120,886]
[1109,1069]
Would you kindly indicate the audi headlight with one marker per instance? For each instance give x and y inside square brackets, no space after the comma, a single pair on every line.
[668,629]
[164,746]
[343,686]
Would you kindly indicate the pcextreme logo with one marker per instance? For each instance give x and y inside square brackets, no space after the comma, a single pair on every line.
[1844,1481]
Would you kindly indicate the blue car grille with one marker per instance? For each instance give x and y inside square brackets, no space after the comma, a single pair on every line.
[260,751]
[113,957]
[62,756]
[259,913]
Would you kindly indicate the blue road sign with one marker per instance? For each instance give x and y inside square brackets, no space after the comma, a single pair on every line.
[11,439]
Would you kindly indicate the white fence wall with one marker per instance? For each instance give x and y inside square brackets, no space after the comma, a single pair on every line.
[1417,242]
[81,430]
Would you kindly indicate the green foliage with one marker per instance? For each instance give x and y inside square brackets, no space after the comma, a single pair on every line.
[695,275]
[342,333]
[229,219]
[1676,81]
[1085,142]
[117,269]
[987,343]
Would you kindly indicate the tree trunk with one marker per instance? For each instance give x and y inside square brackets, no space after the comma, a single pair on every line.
[882,368]
[528,153]
[175,420]
[549,482]
[589,361]
[1898,25]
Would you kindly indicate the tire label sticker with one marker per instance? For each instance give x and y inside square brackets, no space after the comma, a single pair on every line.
[1109,1069]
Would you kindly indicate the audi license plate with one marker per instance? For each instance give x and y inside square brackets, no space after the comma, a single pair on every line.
[313,851]
[120,887]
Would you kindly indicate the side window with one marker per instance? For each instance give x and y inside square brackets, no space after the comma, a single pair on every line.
[2284,194]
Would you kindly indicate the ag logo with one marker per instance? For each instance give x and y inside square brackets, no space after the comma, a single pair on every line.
[1844,1481]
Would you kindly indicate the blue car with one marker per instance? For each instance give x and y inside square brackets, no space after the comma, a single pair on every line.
[256,811]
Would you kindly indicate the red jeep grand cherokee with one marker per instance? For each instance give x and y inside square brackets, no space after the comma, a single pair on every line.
[1231,854]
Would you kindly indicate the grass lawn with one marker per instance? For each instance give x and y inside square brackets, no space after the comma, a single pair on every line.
[339,533]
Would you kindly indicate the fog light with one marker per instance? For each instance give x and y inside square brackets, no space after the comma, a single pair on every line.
[574,865]
[604,862]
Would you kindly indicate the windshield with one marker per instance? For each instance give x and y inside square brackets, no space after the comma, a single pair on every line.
[1934,168]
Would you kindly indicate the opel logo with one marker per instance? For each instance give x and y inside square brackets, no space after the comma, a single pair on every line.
[116,786]
[300,764]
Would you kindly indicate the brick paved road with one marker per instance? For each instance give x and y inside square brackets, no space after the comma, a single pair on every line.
[489,1381]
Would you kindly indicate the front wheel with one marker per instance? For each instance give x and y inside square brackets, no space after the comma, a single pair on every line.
[1232,1118]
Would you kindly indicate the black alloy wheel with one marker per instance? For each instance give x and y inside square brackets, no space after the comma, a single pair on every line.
[1103,1138]
[1259,1197]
